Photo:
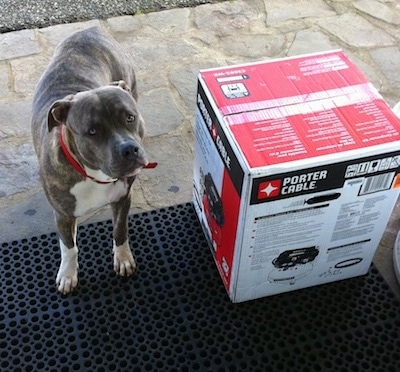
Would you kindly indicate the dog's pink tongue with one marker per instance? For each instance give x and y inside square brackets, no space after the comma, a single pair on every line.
[150,165]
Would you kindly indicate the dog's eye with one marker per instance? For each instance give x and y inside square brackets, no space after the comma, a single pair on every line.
[91,131]
[130,118]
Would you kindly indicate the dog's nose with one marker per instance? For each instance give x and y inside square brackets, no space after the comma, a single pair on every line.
[129,151]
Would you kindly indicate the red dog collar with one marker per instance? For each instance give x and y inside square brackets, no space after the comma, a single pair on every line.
[80,169]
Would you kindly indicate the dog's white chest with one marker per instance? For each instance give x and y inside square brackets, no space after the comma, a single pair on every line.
[91,195]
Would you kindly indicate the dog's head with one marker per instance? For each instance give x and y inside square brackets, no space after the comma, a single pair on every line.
[106,129]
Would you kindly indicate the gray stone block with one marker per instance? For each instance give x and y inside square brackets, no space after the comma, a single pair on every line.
[125,24]
[225,18]
[18,44]
[19,168]
[171,22]
[281,11]
[27,71]
[378,10]
[356,31]
[252,46]
[309,41]
[387,60]
[171,182]
[160,112]
[55,34]
[4,83]
[15,119]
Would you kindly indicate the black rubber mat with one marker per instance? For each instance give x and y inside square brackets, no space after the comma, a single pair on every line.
[174,314]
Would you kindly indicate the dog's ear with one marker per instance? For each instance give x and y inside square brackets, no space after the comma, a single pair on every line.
[121,84]
[58,112]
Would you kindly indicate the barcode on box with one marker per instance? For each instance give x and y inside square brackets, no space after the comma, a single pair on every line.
[377,183]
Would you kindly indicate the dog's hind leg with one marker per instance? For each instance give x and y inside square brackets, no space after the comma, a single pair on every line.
[67,277]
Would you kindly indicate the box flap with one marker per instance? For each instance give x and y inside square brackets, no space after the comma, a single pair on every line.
[302,107]
[280,82]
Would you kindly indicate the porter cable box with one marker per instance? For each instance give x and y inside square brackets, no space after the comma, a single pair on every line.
[296,172]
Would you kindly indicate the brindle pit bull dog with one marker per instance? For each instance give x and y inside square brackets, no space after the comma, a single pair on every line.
[87,133]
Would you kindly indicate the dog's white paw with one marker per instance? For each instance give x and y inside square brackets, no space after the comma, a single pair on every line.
[66,283]
[67,276]
[124,263]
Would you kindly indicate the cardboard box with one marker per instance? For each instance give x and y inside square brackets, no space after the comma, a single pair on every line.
[295,173]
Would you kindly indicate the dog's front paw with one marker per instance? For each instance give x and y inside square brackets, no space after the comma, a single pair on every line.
[66,283]
[67,276]
[124,263]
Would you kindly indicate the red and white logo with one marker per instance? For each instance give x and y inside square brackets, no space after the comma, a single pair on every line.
[269,189]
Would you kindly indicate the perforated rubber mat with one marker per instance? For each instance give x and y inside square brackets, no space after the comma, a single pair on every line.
[174,314]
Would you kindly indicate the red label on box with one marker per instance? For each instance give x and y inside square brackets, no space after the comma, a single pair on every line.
[289,137]
[280,82]
[300,108]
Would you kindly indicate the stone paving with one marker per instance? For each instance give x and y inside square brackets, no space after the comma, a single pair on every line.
[168,48]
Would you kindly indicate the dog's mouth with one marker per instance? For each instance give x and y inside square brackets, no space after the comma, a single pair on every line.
[133,173]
